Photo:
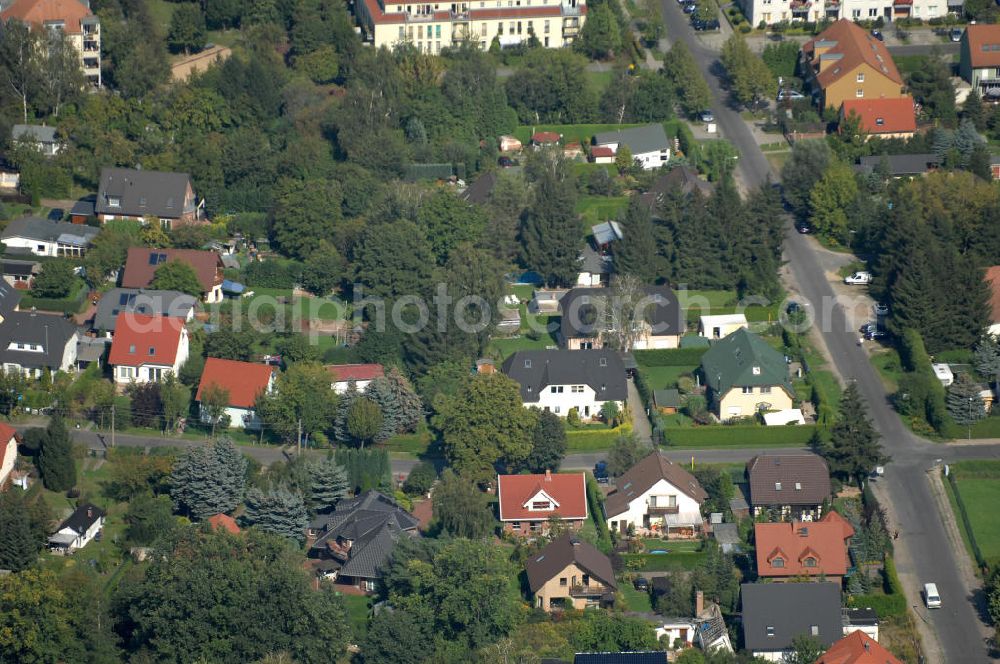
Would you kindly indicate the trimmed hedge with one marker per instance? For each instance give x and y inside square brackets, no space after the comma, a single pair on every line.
[967,522]
[594,501]
[590,440]
[890,605]
[798,435]
[825,395]
[672,357]
[71,304]
[914,357]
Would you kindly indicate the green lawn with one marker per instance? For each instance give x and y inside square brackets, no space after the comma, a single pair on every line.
[659,378]
[981,496]
[591,440]
[988,427]
[595,209]
[889,368]
[739,436]
[636,600]
[599,79]
[667,561]
[410,444]
[358,607]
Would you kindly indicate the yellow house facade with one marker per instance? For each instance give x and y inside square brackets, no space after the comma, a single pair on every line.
[432,27]
[570,574]
[743,401]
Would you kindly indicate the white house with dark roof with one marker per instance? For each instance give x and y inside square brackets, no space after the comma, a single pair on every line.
[655,495]
[583,322]
[648,144]
[774,614]
[32,343]
[40,137]
[78,529]
[141,301]
[41,237]
[560,380]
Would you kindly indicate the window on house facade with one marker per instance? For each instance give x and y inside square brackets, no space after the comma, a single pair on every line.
[747,389]
[861,77]
[563,581]
[557,389]
[541,505]
[856,13]
[859,93]
[577,389]
[873,12]
[809,562]
[778,562]
[766,389]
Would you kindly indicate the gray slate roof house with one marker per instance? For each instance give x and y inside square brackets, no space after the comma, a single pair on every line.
[360,534]
[36,229]
[43,136]
[664,313]
[775,613]
[19,270]
[143,301]
[640,140]
[10,297]
[534,370]
[559,554]
[49,333]
[900,165]
[143,193]
[801,479]
[637,657]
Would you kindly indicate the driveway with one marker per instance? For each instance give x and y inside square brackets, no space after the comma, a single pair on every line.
[924,552]
[641,427]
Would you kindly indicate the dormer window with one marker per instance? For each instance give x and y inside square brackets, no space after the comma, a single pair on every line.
[809,562]
[527,364]
[603,362]
[778,562]
[777,486]
[114,201]
[756,371]
[770,630]
[131,348]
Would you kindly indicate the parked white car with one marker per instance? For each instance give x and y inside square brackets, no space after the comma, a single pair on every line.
[858,279]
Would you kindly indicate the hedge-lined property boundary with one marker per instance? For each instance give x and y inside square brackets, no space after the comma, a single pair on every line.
[588,440]
[669,357]
[966,522]
[597,514]
[798,435]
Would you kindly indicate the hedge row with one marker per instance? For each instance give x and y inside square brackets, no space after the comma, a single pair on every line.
[71,304]
[825,395]
[589,440]
[741,436]
[885,606]
[672,357]
[597,514]
[921,383]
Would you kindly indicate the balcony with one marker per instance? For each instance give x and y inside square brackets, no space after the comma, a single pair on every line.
[592,590]
[662,509]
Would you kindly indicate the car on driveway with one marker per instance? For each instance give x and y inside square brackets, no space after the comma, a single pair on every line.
[642,584]
[877,34]
[705,24]
[858,279]
[880,309]
[790,95]
[802,227]
[707,116]
[690,8]
[601,472]
[955,35]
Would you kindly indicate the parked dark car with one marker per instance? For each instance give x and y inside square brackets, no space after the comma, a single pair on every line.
[877,34]
[690,8]
[802,227]
[601,472]
[505,162]
[642,584]
[703,24]
[56,214]
[874,333]
[793,308]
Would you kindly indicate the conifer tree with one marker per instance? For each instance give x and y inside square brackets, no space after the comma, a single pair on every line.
[278,511]
[347,399]
[328,483]
[550,231]
[964,403]
[853,450]
[20,538]
[55,463]
[635,253]
[209,480]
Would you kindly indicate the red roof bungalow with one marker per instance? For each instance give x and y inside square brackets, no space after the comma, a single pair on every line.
[527,502]
[602,154]
[244,382]
[857,648]
[142,263]
[542,139]
[341,375]
[885,118]
[146,348]
[224,522]
[803,548]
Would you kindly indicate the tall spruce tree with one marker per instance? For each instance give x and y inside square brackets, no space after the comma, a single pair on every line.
[277,511]
[854,449]
[987,358]
[20,538]
[550,230]
[964,403]
[964,315]
[328,483]
[209,480]
[635,253]
[401,407]
[347,399]
[913,296]
[55,463]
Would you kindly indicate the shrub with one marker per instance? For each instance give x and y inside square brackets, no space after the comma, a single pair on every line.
[673,357]
[745,28]
[420,479]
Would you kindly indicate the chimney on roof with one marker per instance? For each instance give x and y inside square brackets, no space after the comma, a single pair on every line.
[548,475]
[90,512]
[699,603]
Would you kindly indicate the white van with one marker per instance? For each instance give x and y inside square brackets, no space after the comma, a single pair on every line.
[931,597]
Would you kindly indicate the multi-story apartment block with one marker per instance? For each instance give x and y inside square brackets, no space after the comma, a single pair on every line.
[431,27]
[770,12]
[70,17]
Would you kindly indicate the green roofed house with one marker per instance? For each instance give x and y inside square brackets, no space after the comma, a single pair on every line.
[745,376]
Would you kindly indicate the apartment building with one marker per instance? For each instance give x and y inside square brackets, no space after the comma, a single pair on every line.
[776,11]
[432,27]
[71,17]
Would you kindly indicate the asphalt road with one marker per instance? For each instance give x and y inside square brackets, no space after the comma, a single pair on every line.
[958,625]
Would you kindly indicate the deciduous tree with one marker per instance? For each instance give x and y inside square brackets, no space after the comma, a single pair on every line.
[548,443]
[625,453]
[148,518]
[56,280]
[364,420]
[187,28]
[460,509]
[178,276]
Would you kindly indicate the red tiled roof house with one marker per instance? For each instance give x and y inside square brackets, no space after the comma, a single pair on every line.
[142,263]
[885,118]
[980,59]
[857,648]
[224,522]
[528,502]
[796,549]
[146,348]
[342,375]
[73,19]
[243,382]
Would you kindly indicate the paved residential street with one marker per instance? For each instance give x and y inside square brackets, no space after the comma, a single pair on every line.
[924,550]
